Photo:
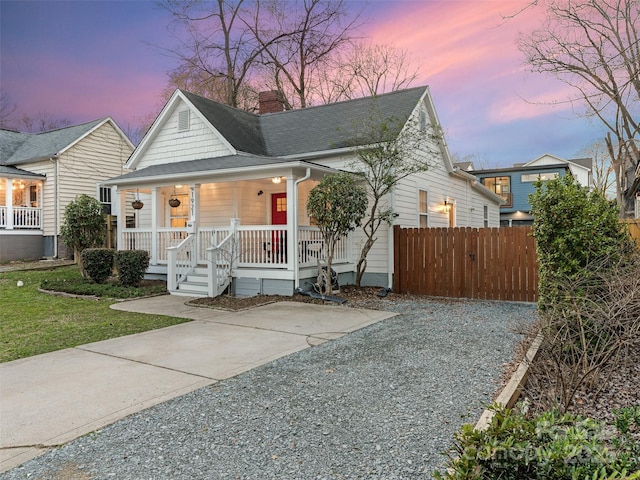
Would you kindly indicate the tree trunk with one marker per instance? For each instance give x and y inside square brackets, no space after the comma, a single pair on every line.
[77,257]
[362,262]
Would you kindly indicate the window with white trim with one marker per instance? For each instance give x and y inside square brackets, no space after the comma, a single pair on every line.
[104,194]
[534,177]
[423,209]
[179,215]
[485,211]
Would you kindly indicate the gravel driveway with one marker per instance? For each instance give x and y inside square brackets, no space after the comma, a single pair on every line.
[382,402]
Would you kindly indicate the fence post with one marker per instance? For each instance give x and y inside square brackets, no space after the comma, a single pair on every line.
[397,265]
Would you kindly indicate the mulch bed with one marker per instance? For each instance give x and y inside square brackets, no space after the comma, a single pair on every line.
[364,297]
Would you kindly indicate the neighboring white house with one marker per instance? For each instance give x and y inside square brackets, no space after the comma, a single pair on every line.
[41,173]
[224,192]
[580,168]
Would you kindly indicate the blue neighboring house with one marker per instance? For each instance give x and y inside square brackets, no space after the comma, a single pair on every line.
[515,184]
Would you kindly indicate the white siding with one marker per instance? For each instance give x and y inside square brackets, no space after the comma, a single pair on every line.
[440,185]
[96,158]
[253,208]
[171,145]
[303,195]
[580,173]
[217,204]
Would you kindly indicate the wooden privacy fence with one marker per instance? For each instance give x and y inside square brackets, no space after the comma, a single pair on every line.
[633,224]
[483,263]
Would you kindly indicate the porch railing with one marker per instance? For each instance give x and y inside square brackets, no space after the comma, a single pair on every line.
[257,246]
[311,247]
[23,217]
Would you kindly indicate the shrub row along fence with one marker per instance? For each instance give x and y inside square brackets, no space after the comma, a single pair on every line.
[480,263]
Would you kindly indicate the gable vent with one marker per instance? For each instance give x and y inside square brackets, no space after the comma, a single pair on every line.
[183,120]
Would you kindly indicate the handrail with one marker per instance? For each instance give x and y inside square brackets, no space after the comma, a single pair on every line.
[216,282]
[180,260]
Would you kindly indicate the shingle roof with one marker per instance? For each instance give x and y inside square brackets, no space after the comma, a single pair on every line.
[13,171]
[202,165]
[306,130]
[585,162]
[18,148]
[332,126]
[240,128]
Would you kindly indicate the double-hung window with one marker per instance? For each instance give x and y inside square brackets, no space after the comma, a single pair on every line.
[423,209]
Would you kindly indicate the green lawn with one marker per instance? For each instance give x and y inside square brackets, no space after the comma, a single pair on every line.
[32,322]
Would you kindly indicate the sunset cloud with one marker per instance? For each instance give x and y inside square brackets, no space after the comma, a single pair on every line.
[106,58]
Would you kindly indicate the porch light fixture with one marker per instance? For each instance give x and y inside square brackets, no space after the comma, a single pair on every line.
[137,204]
[276,180]
[174,201]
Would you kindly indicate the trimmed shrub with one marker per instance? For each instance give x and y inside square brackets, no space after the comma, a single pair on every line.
[98,263]
[83,226]
[549,446]
[573,228]
[131,265]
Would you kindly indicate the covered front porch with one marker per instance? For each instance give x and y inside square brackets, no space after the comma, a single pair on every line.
[20,203]
[21,215]
[252,235]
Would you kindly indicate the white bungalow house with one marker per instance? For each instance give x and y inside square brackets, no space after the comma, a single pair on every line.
[41,173]
[224,193]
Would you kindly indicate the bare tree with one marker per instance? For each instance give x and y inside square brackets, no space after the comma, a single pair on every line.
[297,41]
[42,122]
[7,108]
[387,150]
[374,69]
[219,52]
[602,168]
[594,46]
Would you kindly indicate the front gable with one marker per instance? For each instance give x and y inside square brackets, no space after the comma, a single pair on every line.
[545,159]
[180,133]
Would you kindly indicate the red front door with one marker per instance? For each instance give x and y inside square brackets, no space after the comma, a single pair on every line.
[279,209]
[279,217]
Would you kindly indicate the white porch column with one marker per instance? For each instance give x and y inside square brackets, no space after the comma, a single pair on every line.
[292,224]
[194,205]
[121,208]
[155,218]
[194,219]
[9,203]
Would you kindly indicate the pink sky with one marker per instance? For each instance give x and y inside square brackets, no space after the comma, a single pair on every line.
[85,60]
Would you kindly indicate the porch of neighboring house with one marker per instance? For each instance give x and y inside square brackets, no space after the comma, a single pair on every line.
[21,220]
[253,236]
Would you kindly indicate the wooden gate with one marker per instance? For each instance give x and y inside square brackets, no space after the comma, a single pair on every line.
[483,263]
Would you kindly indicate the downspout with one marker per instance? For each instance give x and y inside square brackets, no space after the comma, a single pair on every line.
[296,268]
[390,259]
[55,206]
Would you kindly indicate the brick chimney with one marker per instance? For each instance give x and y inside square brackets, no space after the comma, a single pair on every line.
[270,102]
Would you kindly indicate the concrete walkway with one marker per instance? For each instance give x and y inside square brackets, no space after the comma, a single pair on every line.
[50,399]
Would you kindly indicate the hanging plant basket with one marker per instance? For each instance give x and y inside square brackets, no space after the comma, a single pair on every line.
[174,202]
[137,204]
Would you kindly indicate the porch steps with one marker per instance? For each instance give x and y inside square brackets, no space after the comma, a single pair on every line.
[195,284]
